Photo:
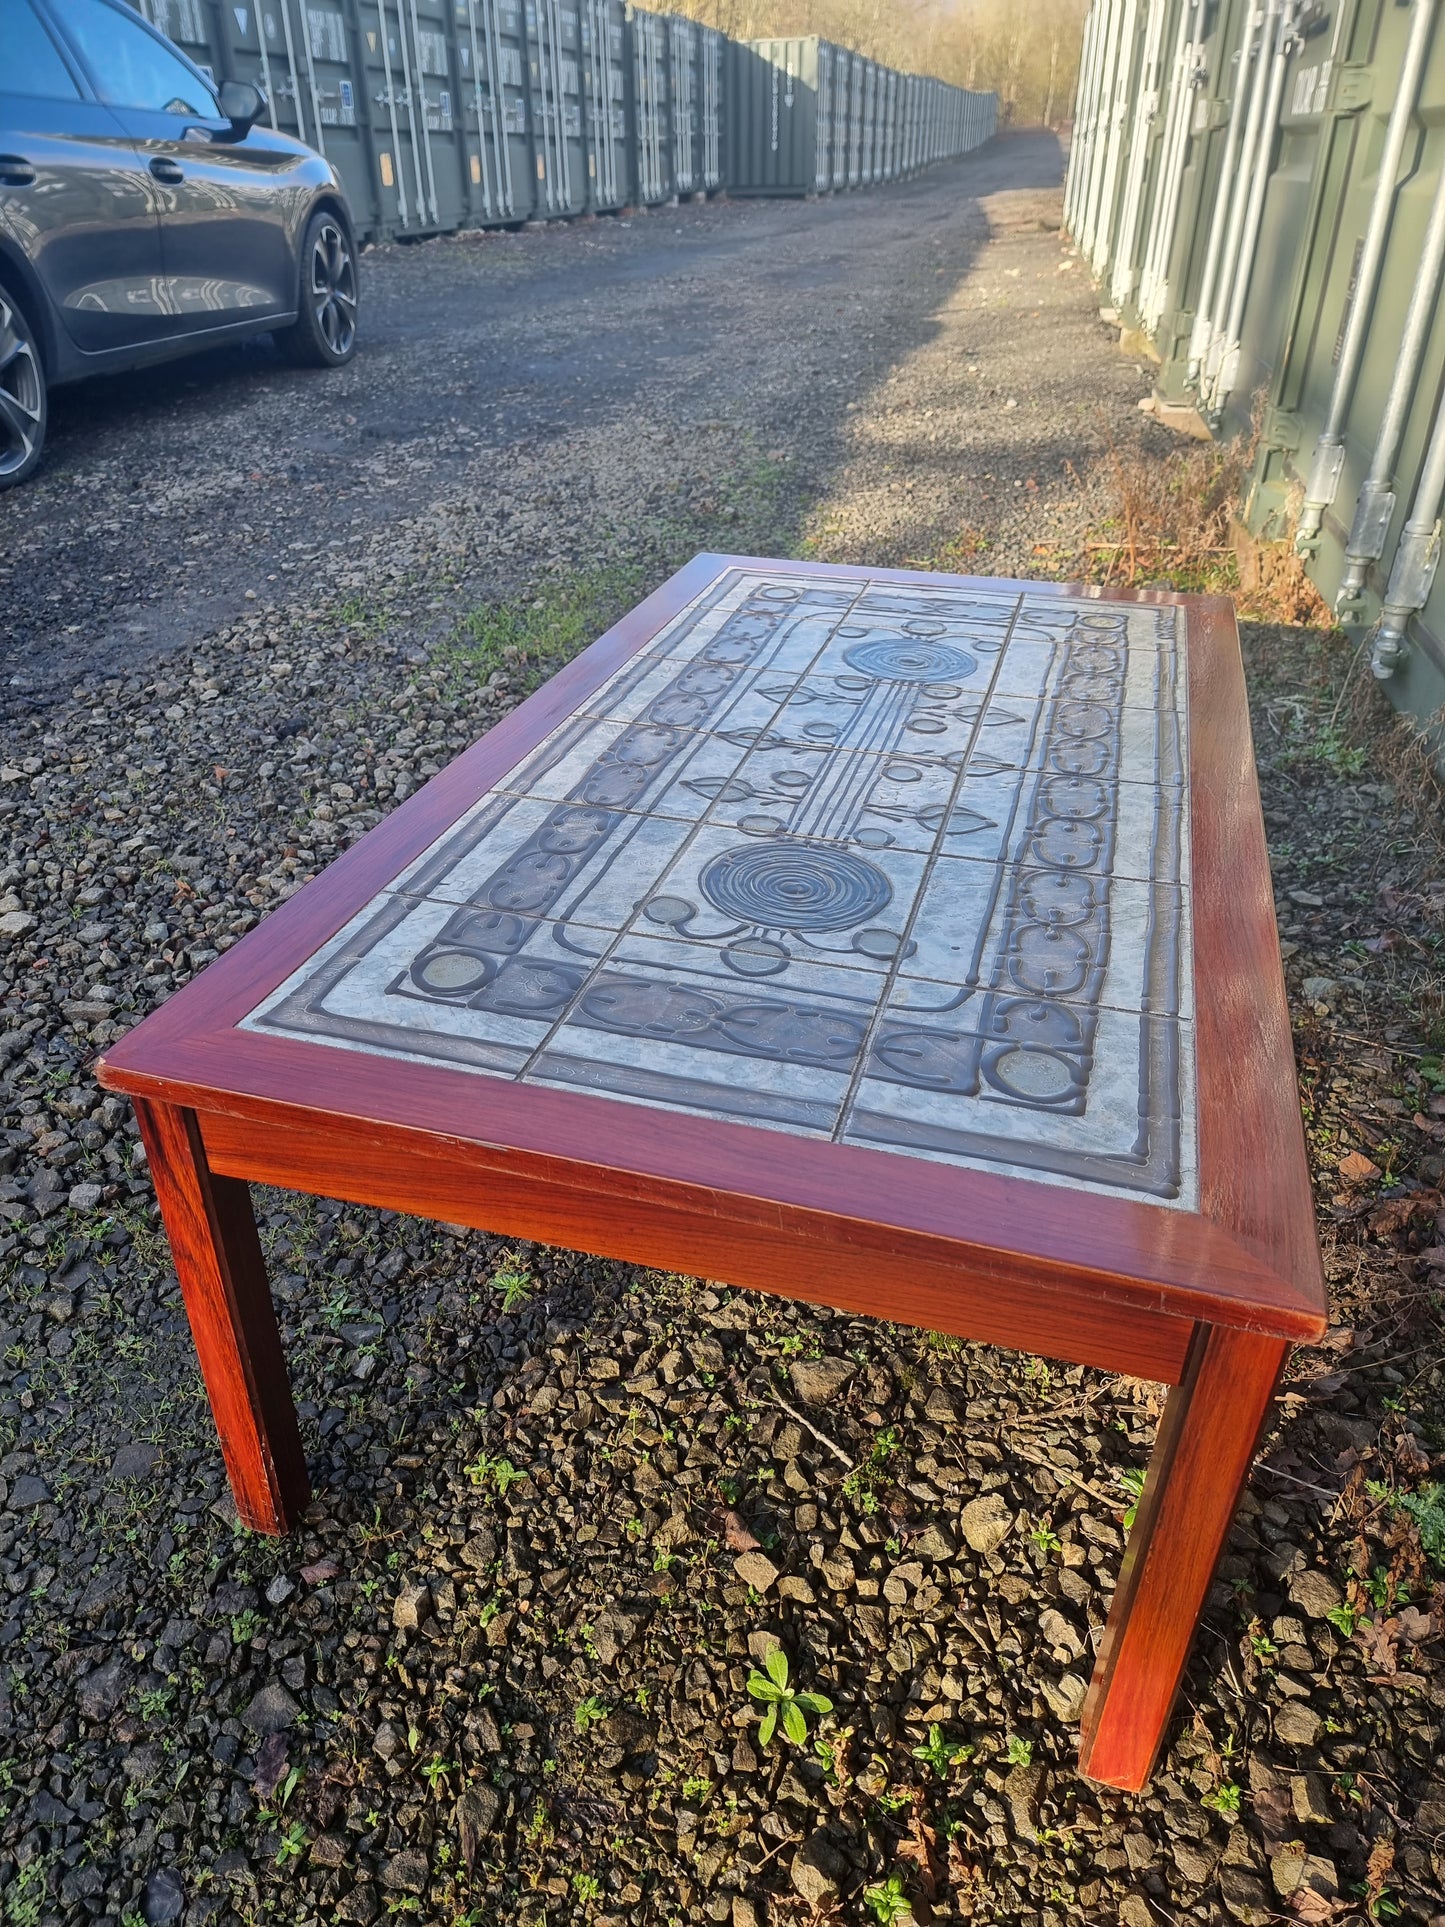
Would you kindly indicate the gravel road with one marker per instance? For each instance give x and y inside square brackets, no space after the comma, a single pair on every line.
[565,1507]
[523,401]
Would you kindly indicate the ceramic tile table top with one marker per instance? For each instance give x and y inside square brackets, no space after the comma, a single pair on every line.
[900,942]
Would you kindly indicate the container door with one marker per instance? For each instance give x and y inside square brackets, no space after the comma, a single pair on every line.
[838,146]
[519,130]
[438,92]
[604,85]
[554,69]
[822,163]
[855,118]
[652,108]
[388,79]
[683,75]
[482,114]
[867,172]
[710,107]
[413,94]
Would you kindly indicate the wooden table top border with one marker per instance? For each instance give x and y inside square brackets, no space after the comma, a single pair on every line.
[1248,1257]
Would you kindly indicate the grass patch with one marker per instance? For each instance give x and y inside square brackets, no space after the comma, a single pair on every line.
[528,639]
[528,635]
[1175,524]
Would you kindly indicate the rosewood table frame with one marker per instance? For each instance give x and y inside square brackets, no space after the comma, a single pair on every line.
[1207,1301]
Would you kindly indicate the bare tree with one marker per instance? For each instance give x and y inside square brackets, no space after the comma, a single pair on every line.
[1027,51]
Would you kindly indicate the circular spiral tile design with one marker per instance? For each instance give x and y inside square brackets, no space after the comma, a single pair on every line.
[795,886]
[917,660]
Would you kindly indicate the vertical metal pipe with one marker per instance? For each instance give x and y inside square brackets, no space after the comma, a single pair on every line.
[1242,187]
[268,89]
[420,99]
[1104,123]
[1416,557]
[1228,367]
[1083,131]
[505,186]
[1375,506]
[310,53]
[1090,124]
[402,212]
[1146,112]
[486,180]
[1225,189]
[1167,162]
[292,67]
[1329,455]
[1153,283]
[1118,119]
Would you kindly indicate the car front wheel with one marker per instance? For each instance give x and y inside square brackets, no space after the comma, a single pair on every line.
[23,409]
[324,335]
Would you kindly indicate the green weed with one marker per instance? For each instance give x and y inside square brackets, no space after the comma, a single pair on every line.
[888,1902]
[588,1712]
[782,1701]
[499,1473]
[940,1753]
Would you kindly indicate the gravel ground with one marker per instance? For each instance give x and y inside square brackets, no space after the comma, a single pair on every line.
[564,1508]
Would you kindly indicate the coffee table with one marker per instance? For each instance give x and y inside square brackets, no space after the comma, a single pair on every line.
[903,943]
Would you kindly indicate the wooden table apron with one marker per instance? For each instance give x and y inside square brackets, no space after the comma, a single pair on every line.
[1207,1301]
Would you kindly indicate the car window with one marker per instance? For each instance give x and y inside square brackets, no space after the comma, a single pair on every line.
[130,67]
[32,64]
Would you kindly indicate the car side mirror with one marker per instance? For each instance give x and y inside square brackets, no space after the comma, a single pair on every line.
[241,104]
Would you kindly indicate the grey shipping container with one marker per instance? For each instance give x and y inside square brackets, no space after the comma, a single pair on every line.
[554,65]
[775,128]
[649,76]
[856,65]
[442,114]
[413,95]
[604,89]
[494,111]
[686,92]
[841,64]
[712,50]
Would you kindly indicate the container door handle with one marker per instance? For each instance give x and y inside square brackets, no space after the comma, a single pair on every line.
[167,171]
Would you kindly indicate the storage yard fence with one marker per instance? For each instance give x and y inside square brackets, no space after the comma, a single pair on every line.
[1259,187]
[443,114]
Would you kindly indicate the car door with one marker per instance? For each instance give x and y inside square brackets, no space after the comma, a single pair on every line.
[75,197]
[226,205]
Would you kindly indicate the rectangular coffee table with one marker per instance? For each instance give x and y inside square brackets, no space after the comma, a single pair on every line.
[903,943]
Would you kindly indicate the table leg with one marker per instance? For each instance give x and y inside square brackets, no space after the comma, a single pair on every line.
[1202,1456]
[228,1300]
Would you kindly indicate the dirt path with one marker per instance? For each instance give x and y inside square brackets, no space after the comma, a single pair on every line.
[523,392]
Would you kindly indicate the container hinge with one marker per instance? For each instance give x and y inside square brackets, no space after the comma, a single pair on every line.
[1413,572]
[1373,514]
[1281,429]
[1351,89]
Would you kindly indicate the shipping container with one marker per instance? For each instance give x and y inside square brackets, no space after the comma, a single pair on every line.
[445,114]
[686,89]
[554,67]
[650,112]
[842,74]
[604,89]
[711,56]
[773,115]
[1280,239]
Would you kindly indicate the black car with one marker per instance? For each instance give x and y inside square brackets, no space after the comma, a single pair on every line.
[144,214]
